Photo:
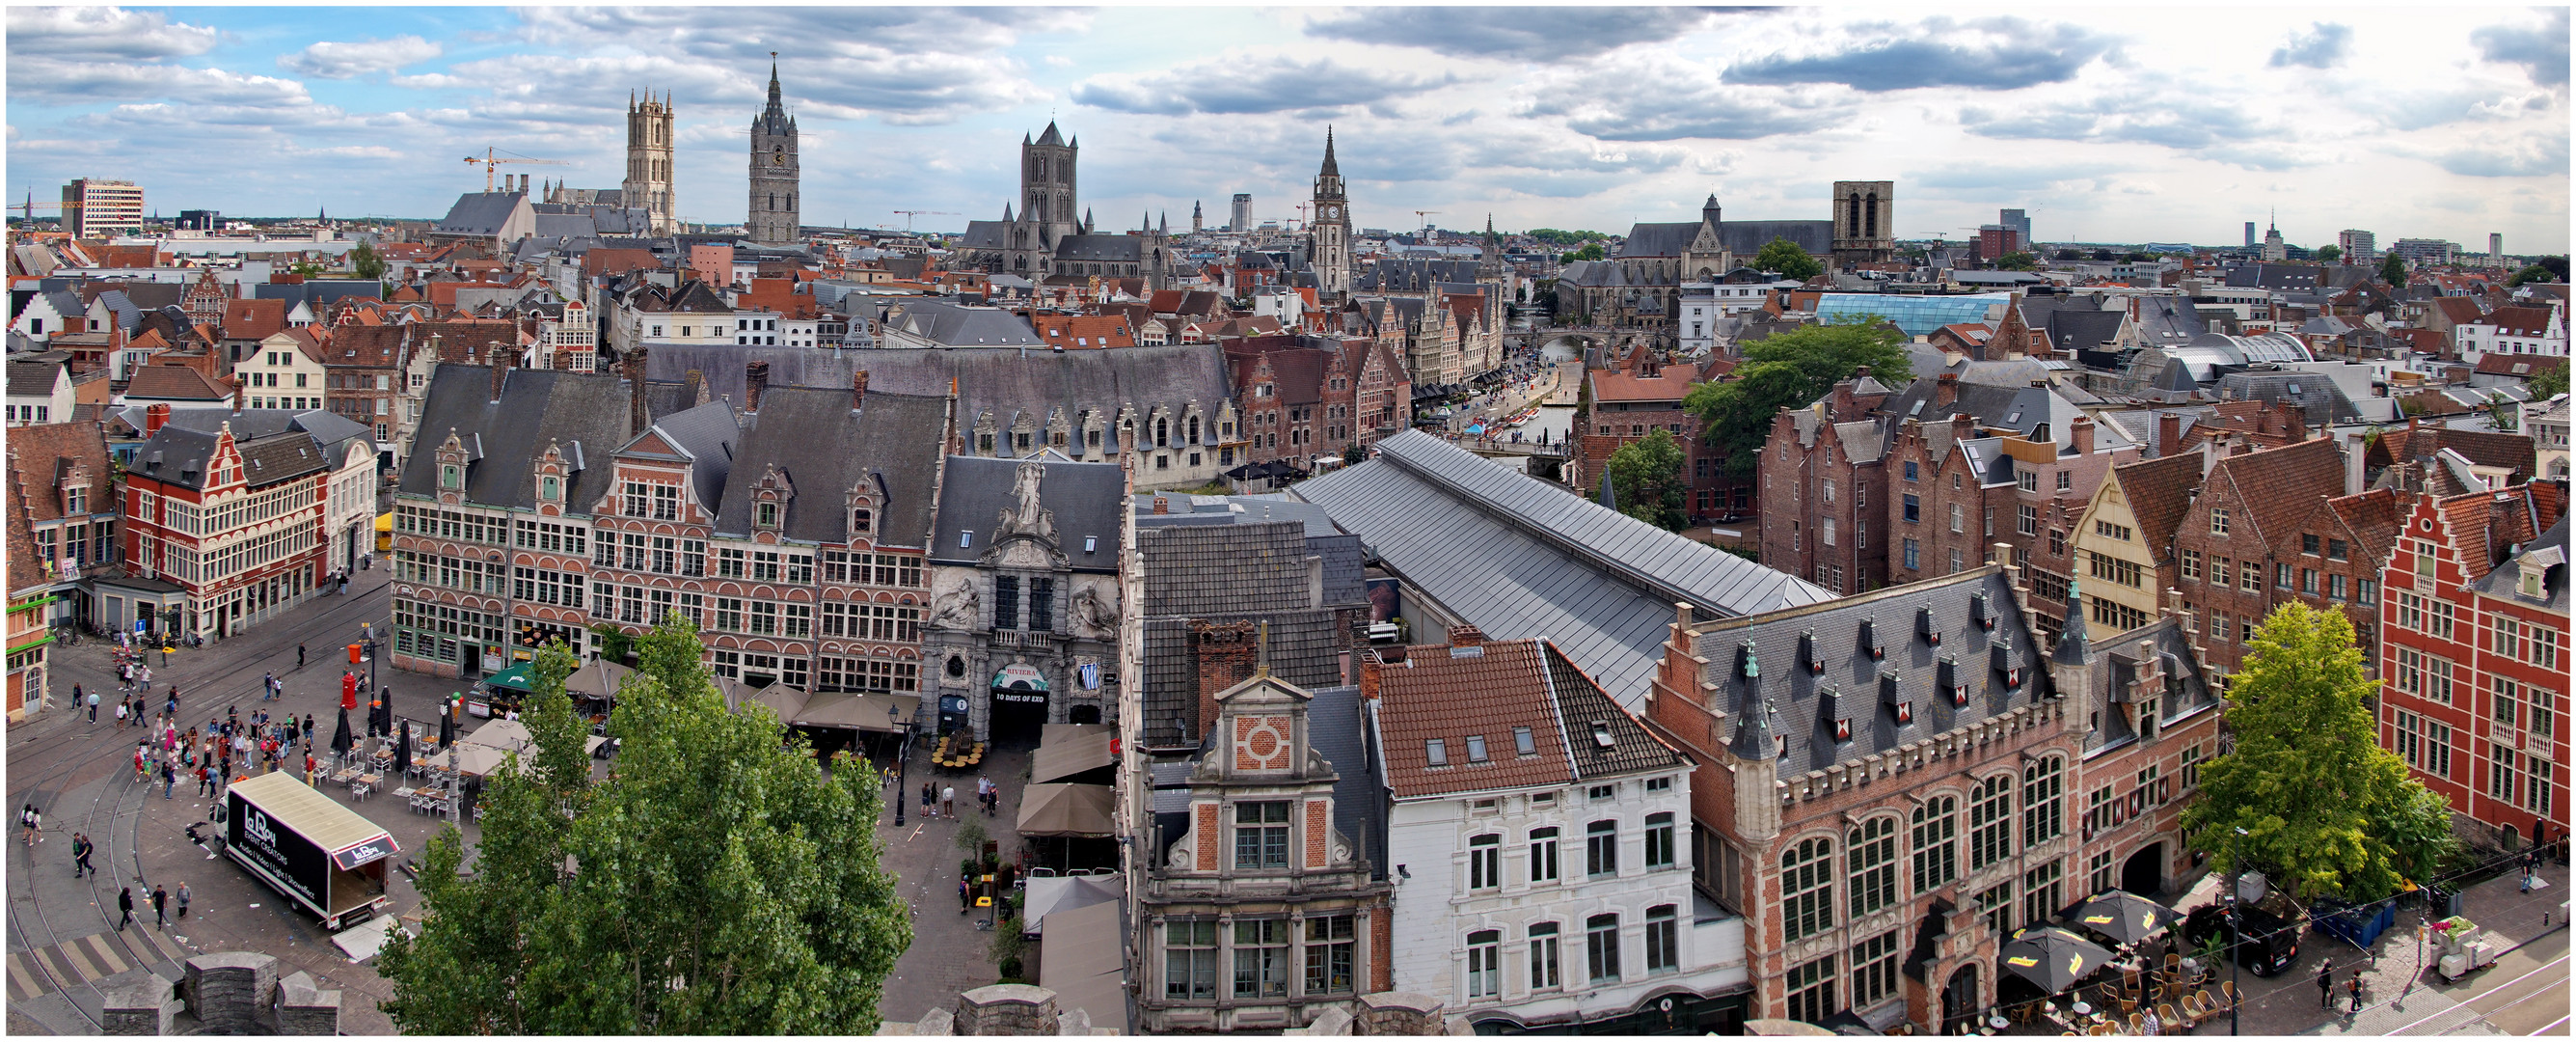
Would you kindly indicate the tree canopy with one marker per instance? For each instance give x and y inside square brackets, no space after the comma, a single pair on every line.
[1646,475]
[2546,269]
[1788,371]
[2392,270]
[1788,259]
[1590,251]
[2551,380]
[364,262]
[2329,254]
[2322,808]
[1562,237]
[717,883]
[2018,261]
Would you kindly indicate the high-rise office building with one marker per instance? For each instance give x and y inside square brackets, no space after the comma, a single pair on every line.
[2495,249]
[2019,221]
[2249,234]
[2359,247]
[94,207]
[1240,220]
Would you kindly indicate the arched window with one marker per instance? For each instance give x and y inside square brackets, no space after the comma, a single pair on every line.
[1870,859]
[2042,811]
[1807,888]
[860,519]
[1936,850]
[1194,429]
[1162,431]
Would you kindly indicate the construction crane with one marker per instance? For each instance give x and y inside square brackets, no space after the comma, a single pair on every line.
[908,215]
[27,210]
[1425,215]
[493,157]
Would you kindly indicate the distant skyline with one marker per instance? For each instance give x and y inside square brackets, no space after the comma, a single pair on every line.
[2107,125]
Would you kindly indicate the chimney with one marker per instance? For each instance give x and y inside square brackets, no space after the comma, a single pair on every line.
[1945,391]
[1466,637]
[500,370]
[755,379]
[1372,675]
[2168,433]
[2294,420]
[154,416]
[637,418]
[241,395]
[859,389]
[1962,427]
[1162,504]
[2080,432]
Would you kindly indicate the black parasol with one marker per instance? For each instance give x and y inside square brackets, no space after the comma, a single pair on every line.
[402,747]
[2125,917]
[2051,957]
[447,725]
[340,740]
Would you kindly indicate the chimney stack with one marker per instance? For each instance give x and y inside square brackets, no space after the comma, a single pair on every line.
[154,416]
[241,395]
[1466,637]
[1945,391]
[755,379]
[1162,504]
[500,361]
[2080,433]
[858,390]
[2168,433]
[637,418]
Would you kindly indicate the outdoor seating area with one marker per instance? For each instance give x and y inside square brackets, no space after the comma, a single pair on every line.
[2103,980]
[957,752]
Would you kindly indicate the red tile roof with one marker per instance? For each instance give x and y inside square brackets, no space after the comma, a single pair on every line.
[173,383]
[2520,321]
[2160,492]
[1437,693]
[2275,487]
[1084,332]
[47,454]
[253,319]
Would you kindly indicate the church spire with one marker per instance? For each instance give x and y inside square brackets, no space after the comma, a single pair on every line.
[1331,168]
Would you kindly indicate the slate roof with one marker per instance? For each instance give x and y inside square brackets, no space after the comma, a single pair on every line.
[1337,730]
[2020,410]
[478,213]
[1804,704]
[955,326]
[824,450]
[1397,275]
[1084,497]
[1343,554]
[1518,557]
[1122,249]
[2274,277]
[275,445]
[2549,552]
[583,413]
[34,379]
[1659,238]
[2116,663]
[708,434]
[2323,403]
[1226,573]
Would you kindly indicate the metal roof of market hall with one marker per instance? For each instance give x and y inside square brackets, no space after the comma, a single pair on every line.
[1518,557]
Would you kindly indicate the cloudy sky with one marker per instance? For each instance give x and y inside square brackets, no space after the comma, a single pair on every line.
[2113,124]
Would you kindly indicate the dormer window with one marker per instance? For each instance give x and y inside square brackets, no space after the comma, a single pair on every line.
[2534,583]
[861,521]
[764,515]
[550,488]
[451,477]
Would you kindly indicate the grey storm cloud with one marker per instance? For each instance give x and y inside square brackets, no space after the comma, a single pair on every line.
[1981,54]
[1246,86]
[1514,33]
[2541,51]
[1692,102]
[2317,49]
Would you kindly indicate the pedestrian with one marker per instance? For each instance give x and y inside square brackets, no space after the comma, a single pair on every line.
[2530,864]
[169,779]
[965,896]
[2154,1027]
[125,904]
[205,785]
[2325,985]
[183,901]
[120,714]
[948,802]
[160,907]
[35,825]
[81,847]
[929,799]
[2356,989]
[299,656]
[267,686]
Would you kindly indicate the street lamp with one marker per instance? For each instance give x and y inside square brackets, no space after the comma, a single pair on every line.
[902,762]
[2235,939]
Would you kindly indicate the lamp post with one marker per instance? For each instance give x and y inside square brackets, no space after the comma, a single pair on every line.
[902,762]
[2235,938]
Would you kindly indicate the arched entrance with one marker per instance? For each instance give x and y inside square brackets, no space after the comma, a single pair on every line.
[2144,873]
[1019,694]
[1085,714]
[1959,1000]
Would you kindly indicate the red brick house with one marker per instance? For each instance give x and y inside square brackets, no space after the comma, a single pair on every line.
[2474,689]
[2229,544]
[1819,474]
[237,514]
[1641,394]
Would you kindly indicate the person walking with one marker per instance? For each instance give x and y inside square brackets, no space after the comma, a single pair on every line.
[948,802]
[81,847]
[299,656]
[2356,989]
[965,896]
[183,901]
[35,825]
[169,778]
[267,685]
[929,799]
[120,713]
[2325,985]
[125,904]
[160,907]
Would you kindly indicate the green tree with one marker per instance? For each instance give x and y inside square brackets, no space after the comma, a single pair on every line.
[2307,795]
[1590,251]
[2018,261]
[306,268]
[1562,237]
[2329,254]
[2551,380]
[1789,371]
[717,883]
[1647,476]
[364,262]
[2546,269]
[2392,270]
[1787,259]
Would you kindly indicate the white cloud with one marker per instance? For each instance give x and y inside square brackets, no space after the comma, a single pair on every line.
[51,79]
[341,61]
[76,33]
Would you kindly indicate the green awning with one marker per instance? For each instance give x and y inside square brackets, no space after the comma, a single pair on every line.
[521,677]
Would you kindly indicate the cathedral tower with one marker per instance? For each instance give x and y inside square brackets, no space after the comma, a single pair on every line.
[648,160]
[773,212]
[1047,182]
[1864,221]
[1332,229]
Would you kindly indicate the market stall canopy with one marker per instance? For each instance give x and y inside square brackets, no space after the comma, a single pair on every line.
[521,677]
[1783,1027]
[501,734]
[2051,957]
[1066,810]
[888,713]
[1063,894]
[1054,733]
[1077,754]
[1085,963]
[2125,917]
[481,760]
[597,678]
